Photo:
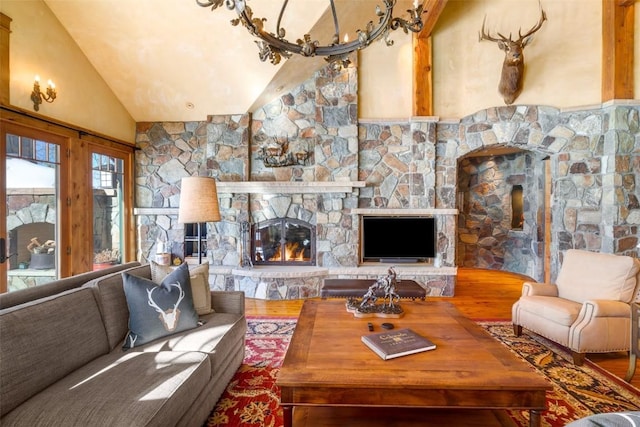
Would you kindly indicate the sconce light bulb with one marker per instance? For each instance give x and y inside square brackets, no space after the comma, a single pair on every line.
[346,38]
[37,97]
[415,4]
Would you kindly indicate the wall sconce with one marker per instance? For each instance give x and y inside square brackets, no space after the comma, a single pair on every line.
[37,96]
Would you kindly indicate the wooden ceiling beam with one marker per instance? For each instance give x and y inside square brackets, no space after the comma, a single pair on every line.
[423,59]
[431,10]
[618,49]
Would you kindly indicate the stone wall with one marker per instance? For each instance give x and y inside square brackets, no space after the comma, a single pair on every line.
[397,161]
[415,164]
[29,214]
[487,238]
[594,158]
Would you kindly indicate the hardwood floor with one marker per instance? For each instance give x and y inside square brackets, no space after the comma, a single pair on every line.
[480,294]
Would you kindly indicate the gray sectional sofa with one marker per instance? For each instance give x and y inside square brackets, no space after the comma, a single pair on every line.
[62,362]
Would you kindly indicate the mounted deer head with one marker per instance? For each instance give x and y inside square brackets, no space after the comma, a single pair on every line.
[513,66]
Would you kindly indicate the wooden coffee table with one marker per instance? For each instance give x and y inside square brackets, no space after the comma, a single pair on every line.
[327,365]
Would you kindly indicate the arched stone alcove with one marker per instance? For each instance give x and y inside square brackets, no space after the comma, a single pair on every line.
[592,167]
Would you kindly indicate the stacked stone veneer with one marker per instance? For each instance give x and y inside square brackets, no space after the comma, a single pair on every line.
[37,210]
[414,164]
[594,159]
[487,238]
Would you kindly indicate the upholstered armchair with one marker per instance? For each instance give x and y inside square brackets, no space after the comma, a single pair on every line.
[587,310]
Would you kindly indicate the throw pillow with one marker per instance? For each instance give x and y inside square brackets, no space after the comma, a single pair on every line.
[199,275]
[155,310]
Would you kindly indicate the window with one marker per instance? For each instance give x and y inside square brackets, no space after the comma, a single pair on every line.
[32,232]
[108,226]
[51,179]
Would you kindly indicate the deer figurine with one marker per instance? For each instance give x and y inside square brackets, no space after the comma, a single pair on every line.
[513,66]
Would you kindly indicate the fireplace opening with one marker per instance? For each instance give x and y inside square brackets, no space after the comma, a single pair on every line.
[283,241]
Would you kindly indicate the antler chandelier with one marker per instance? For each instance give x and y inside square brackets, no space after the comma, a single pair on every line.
[274,46]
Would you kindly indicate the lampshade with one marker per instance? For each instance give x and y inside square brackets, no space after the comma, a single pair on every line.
[198,200]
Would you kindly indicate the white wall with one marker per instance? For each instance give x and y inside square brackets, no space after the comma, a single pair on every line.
[564,64]
[40,45]
[385,79]
[563,61]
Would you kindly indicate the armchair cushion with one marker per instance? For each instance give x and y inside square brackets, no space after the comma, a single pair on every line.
[591,275]
[558,310]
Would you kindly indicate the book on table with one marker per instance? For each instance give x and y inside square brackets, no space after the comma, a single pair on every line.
[396,343]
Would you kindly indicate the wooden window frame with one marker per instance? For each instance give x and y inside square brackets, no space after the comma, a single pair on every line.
[76,256]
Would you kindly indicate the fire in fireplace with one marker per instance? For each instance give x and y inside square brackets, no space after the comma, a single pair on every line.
[283,241]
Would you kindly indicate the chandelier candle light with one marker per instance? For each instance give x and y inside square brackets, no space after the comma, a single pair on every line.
[274,46]
[198,204]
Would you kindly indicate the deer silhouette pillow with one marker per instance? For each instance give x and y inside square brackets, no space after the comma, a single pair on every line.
[199,277]
[158,310]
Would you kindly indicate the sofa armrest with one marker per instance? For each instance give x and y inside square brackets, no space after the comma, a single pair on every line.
[540,289]
[606,308]
[228,301]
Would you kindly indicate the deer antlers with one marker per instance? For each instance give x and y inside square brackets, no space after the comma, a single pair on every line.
[513,66]
[484,35]
[169,317]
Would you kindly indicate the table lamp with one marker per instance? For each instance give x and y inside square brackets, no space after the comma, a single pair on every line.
[198,204]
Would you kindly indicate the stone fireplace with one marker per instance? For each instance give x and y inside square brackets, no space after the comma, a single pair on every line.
[415,167]
[283,241]
[31,214]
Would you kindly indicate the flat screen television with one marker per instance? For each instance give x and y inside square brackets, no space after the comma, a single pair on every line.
[398,239]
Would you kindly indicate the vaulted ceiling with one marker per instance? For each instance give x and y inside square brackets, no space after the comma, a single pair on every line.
[175,60]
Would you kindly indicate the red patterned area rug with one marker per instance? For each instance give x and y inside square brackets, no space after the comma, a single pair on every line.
[578,391]
[253,400]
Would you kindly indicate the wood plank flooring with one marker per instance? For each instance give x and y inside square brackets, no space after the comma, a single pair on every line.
[479,294]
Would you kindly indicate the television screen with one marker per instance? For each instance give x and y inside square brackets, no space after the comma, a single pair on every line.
[398,239]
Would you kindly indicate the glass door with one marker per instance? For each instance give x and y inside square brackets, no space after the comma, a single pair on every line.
[30,234]
[108,209]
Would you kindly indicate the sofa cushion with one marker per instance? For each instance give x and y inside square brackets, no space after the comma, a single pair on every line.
[46,339]
[158,310]
[218,333]
[590,275]
[120,389]
[113,304]
[199,275]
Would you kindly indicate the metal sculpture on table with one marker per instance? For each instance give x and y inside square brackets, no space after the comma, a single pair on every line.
[368,305]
